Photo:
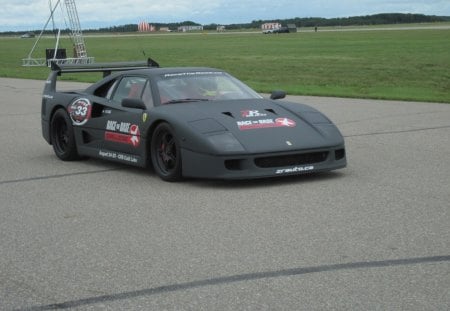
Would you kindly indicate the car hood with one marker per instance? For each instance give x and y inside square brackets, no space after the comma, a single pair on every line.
[262,125]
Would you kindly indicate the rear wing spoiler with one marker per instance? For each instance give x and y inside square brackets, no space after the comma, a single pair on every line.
[106,68]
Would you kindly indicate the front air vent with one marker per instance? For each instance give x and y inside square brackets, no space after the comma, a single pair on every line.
[233,165]
[97,110]
[87,138]
[228,114]
[292,159]
[339,154]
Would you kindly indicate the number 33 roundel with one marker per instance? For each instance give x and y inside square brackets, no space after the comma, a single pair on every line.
[80,111]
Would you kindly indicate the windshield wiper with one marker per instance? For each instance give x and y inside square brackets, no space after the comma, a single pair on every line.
[185,100]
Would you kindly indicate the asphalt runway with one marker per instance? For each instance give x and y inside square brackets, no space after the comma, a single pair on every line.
[93,235]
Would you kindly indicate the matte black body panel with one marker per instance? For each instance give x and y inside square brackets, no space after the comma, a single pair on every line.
[227,139]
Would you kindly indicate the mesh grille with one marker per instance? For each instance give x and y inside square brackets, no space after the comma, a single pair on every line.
[292,159]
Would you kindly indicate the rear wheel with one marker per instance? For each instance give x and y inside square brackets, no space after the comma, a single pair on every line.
[165,153]
[62,136]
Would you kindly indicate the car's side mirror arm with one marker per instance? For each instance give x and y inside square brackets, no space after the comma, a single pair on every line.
[133,103]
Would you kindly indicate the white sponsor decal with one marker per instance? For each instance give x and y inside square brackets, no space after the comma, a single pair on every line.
[118,156]
[296,169]
[197,73]
[252,113]
[122,127]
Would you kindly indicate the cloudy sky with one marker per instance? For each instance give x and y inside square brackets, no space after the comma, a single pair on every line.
[32,14]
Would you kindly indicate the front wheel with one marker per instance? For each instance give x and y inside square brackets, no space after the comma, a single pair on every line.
[165,153]
[62,136]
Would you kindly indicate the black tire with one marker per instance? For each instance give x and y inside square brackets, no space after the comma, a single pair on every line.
[62,136]
[165,153]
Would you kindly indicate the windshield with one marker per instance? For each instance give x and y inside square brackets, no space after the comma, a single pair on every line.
[201,86]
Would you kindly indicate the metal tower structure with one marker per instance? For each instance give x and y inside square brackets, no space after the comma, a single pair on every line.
[75,28]
[79,47]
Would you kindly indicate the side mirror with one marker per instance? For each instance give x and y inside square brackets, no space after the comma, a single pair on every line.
[133,103]
[278,95]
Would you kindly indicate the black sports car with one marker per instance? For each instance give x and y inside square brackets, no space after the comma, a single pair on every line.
[281,30]
[196,122]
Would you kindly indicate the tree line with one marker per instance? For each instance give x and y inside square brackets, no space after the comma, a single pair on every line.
[376,19]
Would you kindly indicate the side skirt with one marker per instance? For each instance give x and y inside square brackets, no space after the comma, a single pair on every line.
[115,156]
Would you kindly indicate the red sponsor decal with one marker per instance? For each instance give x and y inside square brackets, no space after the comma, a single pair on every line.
[285,122]
[117,137]
[265,123]
[135,134]
[133,138]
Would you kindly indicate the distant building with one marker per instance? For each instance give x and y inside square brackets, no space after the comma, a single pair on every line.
[220,28]
[270,26]
[190,28]
[166,29]
[145,27]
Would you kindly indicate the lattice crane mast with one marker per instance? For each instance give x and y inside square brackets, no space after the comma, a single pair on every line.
[79,47]
[75,28]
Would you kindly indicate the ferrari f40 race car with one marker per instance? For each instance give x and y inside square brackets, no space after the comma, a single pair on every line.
[192,122]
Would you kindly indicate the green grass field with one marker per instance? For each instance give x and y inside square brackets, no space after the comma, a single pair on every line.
[391,64]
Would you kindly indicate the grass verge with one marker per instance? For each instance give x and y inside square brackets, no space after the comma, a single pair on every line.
[391,64]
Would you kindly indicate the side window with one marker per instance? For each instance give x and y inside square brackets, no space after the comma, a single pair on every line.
[147,96]
[129,87]
[111,90]
[106,89]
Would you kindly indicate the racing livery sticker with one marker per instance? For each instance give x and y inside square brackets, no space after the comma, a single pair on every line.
[285,122]
[80,111]
[295,169]
[117,156]
[196,73]
[252,113]
[265,123]
[123,132]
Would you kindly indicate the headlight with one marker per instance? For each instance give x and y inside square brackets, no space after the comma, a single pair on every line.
[225,142]
[206,126]
[315,117]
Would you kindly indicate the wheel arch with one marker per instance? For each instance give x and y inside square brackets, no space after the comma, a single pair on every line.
[52,113]
[170,169]
[148,141]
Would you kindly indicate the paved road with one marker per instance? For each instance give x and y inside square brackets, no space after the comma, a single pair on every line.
[93,235]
